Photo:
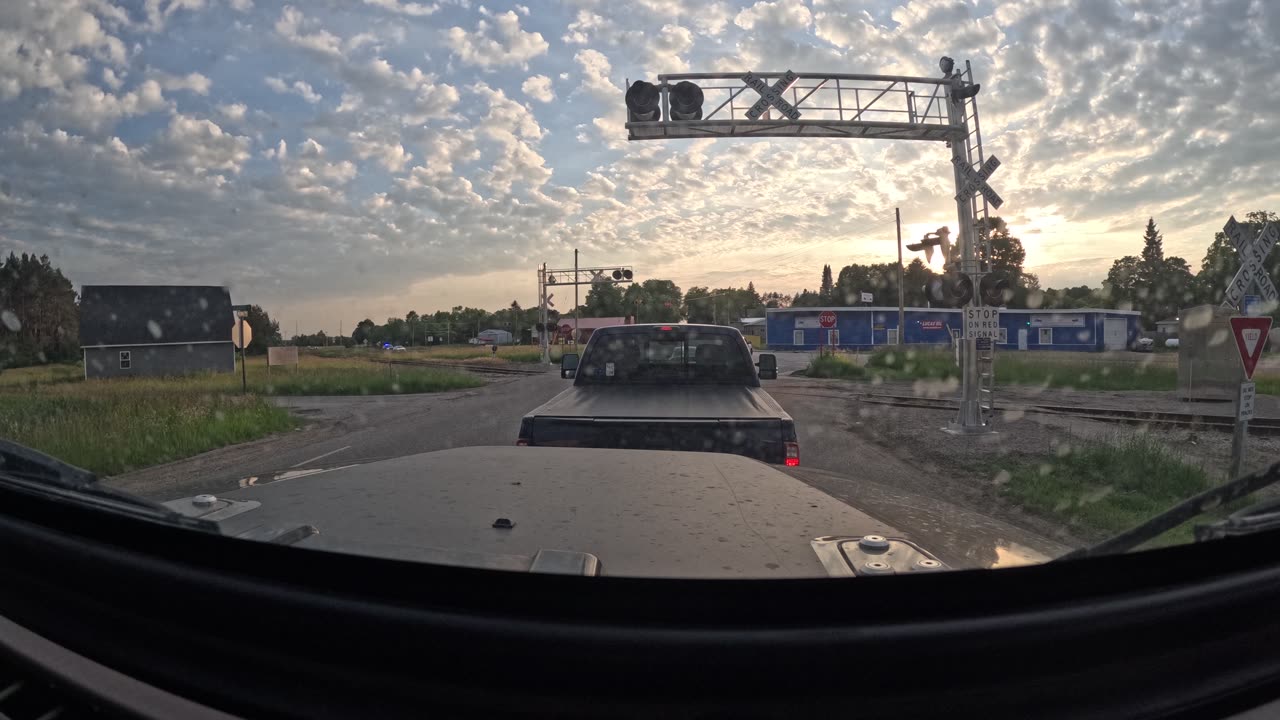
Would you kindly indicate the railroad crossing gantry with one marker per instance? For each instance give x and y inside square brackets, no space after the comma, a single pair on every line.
[834,105]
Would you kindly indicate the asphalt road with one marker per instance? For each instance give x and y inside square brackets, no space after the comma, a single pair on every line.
[348,430]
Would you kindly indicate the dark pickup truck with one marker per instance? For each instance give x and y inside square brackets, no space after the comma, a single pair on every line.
[667,387]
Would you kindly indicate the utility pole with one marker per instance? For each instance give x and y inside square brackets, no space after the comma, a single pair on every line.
[576,313]
[902,311]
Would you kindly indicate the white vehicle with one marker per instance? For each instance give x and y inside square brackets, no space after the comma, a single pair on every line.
[1171,343]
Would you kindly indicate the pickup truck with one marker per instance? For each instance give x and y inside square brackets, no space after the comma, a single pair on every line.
[666,387]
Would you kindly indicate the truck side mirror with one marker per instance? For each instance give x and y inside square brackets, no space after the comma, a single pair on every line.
[768,364]
[568,365]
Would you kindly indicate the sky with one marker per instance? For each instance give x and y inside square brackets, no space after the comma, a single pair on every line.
[335,160]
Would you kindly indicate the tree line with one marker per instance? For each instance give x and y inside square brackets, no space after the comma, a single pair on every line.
[1156,285]
[39,316]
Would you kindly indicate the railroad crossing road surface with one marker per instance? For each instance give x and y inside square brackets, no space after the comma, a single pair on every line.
[347,430]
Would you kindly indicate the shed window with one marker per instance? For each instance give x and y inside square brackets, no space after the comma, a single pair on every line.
[126,360]
[1046,336]
[1004,336]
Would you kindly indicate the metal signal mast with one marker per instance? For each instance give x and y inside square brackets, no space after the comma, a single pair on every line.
[835,105]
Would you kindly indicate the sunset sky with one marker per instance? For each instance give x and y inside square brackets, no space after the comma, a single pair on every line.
[339,160]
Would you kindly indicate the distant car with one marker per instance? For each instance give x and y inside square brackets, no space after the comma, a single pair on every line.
[398,348]
[1171,343]
[1144,345]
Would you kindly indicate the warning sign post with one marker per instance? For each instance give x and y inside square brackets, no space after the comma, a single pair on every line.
[1250,334]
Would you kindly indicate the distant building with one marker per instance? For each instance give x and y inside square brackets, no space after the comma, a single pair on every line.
[752,327]
[586,326]
[866,328]
[494,336]
[1167,327]
[150,330]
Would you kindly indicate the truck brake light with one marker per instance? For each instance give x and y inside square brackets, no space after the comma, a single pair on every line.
[793,454]
[522,442]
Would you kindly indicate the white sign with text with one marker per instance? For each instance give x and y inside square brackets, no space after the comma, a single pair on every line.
[982,323]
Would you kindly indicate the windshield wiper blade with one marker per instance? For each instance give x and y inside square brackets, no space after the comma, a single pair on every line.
[1178,514]
[32,467]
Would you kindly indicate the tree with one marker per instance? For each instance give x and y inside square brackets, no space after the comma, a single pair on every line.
[916,277]
[604,299]
[364,332]
[654,301]
[775,299]
[266,332]
[827,290]
[39,320]
[807,298]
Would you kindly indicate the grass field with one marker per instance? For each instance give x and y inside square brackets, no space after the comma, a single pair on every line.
[113,426]
[1099,490]
[506,353]
[1079,371]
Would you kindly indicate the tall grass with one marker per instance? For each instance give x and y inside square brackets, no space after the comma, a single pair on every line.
[113,427]
[1101,489]
[834,366]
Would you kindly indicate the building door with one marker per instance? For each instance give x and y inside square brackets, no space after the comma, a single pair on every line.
[1115,333]
[1022,338]
[797,337]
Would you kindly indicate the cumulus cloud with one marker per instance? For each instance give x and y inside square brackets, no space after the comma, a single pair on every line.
[194,82]
[497,41]
[1101,112]
[412,9]
[297,87]
[538,87]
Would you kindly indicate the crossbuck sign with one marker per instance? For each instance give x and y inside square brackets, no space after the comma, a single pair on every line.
[1253,254]
[976,181]
[772,95]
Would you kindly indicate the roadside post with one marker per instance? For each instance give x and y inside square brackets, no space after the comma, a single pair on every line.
[1250,334]
[827,320]
[241,336]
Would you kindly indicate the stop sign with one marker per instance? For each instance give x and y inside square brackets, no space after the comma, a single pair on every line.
[827,319]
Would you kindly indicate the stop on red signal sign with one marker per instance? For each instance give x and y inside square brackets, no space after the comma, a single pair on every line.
[827,319]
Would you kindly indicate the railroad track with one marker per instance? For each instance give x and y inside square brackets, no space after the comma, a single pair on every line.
[479,368]
[1258,426]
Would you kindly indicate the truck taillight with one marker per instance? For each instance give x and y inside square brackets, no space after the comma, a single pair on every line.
[526,432]
[522,442]
[793,454]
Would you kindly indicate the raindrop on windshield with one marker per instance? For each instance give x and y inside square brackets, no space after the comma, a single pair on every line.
[10,320]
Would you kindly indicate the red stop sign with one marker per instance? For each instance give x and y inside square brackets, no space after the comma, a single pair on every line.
[827,319]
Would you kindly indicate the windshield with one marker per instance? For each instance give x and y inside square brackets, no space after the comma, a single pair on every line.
[696,289]
[665,354]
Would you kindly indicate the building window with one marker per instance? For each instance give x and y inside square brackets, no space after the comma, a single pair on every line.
[1004,336]
[1046,336]
[892,336]
[126,360]
[797,337]
[833,338]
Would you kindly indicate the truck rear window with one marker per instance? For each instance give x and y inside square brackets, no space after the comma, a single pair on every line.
[664,356]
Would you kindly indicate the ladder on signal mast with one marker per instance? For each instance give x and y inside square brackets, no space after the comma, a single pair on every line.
[987,380]
[976,157]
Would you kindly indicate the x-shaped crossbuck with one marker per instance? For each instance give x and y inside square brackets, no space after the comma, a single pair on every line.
[976,180]
[772,95]
[1253,254]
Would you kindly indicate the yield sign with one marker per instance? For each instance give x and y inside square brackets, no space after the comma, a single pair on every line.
[1251,335]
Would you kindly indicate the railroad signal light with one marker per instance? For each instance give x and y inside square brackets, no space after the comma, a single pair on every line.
[685,100]
[940,238]
[643,102]
[617,274]
[995,290]
[950,290]
[964,92]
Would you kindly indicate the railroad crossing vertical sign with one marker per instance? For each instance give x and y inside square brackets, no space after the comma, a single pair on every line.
[1250,334]
[981,323]
[1253,254]
[1244,410]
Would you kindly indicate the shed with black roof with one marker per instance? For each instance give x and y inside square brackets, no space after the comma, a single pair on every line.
[155,330]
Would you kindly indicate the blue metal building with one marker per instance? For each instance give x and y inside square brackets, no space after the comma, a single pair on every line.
[866,328]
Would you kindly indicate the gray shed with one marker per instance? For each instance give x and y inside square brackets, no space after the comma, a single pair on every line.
[153,330]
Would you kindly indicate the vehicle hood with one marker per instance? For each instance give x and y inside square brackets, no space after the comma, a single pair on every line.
[720,402]
[639,512]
